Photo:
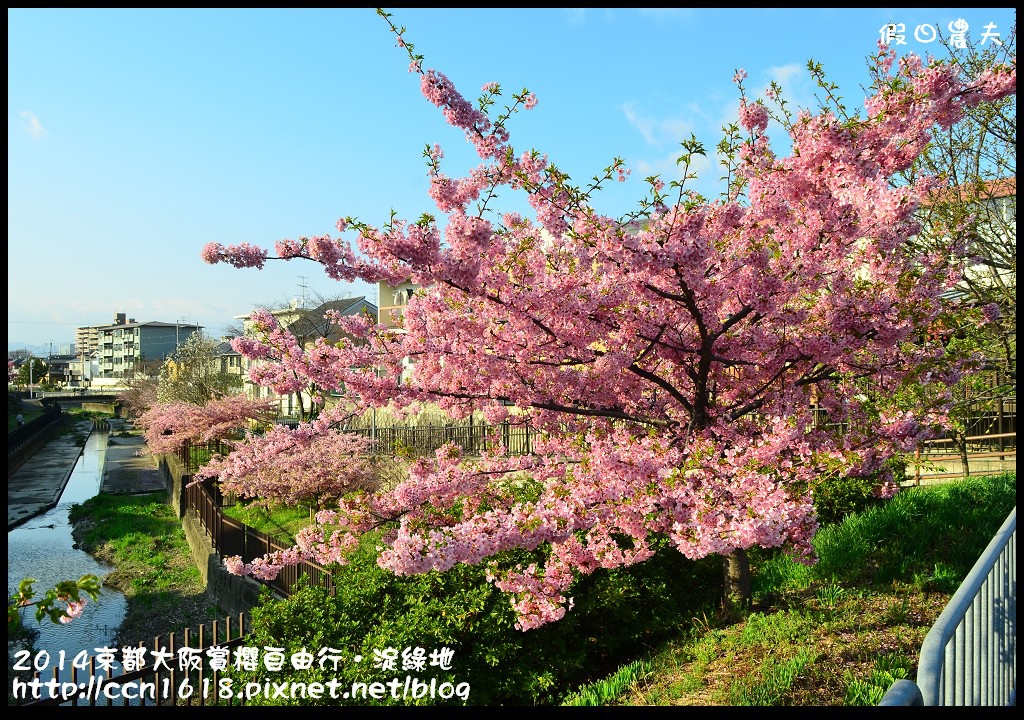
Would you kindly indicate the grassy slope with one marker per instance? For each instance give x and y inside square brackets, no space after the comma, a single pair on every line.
[836,633]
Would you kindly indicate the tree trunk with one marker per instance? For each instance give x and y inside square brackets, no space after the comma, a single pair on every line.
[962,446]
[736,568]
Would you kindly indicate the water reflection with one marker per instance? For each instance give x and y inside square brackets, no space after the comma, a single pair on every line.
[43,548]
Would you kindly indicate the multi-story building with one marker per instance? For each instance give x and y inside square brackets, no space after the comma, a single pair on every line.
[126,343]
[87,341]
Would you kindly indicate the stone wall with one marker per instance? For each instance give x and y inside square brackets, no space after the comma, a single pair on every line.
[232,593]
[111,408]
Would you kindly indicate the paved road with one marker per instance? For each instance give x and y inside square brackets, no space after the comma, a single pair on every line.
[36,486]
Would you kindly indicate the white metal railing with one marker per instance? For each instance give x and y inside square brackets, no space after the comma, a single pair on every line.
[969,657]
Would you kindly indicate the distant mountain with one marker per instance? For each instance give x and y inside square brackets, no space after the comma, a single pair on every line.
[38,349]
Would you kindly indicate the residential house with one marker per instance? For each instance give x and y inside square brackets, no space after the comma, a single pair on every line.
[306,324]
[59,369]
[995,205]
[227,360]
[83,369]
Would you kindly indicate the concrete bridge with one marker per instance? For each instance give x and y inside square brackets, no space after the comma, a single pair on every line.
[104,400]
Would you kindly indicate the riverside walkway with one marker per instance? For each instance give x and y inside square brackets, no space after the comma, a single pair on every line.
[36,486]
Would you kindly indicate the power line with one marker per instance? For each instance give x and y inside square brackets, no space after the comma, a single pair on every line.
[40,322]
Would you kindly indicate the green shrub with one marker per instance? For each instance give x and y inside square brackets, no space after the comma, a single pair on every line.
[931,534]
[836,499]
[618,615]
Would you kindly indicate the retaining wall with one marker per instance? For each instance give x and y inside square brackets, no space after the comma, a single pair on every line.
[232,593]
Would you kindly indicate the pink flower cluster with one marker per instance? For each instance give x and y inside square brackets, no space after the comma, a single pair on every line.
[73,611]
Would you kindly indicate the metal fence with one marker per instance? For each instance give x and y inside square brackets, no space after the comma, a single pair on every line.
[22,436]
[969,657]
[232,537]
[974,449]
[473,438]
[409,440]
[166,674]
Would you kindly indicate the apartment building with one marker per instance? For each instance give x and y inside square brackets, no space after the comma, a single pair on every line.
[87,341]
[126,342]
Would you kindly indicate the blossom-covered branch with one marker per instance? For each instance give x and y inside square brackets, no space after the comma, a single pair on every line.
[677,364]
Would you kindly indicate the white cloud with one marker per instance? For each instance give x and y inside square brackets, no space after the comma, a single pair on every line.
[657,132]
[784,73]
[32,125]
[665,14]
[705,120]
[576,16]
[667,168]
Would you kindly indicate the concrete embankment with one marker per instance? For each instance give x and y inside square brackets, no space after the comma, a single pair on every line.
[40,478]
[128,467]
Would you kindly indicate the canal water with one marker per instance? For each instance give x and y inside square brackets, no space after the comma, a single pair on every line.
[43,548]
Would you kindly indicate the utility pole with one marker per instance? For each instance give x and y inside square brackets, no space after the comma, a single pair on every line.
[177,333]
[303,286]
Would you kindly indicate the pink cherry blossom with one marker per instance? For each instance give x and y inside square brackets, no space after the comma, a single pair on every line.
[677,365]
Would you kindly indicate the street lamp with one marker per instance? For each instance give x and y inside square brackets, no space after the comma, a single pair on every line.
[31,380]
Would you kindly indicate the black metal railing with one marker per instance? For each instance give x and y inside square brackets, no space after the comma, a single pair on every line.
[21,436]
[162,674]
[231,537]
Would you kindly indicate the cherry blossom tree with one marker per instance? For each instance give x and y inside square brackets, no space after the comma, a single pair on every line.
[678,360]
[167,427]
[139,396]
[311,463]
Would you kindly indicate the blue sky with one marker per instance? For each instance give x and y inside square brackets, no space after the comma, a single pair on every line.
[137,136]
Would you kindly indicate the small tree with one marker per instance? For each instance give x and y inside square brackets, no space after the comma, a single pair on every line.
[193,374]
[675,359]
[167,427]
[141,387]
[31,372]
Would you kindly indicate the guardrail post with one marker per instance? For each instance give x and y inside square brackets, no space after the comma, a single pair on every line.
[903,693]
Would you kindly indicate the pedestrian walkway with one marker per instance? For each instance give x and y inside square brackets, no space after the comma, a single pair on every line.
[129,467]
[36,486]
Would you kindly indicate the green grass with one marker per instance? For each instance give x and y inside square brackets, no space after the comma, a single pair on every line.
[12,416]
[142,538]
[601,691]
[840,632]
[281,522]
